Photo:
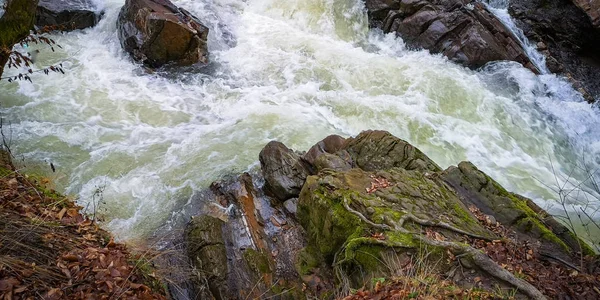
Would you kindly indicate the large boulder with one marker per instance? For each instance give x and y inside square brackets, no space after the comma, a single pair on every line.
[67,15]
[156,32]
[464,31]
[567,37]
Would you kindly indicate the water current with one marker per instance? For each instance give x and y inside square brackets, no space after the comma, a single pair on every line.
[295,71]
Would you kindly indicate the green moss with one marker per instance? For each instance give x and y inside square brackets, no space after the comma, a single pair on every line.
[585,247]
[532,221]
[5,171]
[386,212]
[308,260]
[257,261]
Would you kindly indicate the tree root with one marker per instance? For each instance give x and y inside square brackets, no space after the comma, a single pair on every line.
[364,219]
[480,259]
[441,224]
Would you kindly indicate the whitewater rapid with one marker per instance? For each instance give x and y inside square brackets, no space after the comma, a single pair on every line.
[296,71]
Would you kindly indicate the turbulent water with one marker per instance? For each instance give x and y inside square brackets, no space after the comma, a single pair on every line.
[142,143]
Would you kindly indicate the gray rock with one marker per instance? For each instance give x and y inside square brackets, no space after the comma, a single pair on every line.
[380,150]
[67,15]
[332,162]
[283,170]
[291,205]
[156,32]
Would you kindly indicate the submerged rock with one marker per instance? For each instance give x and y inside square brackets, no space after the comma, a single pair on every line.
[571,39]
[156,32]
[67,15]
[464,31]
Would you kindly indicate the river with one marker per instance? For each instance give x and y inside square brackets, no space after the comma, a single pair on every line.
[141,143]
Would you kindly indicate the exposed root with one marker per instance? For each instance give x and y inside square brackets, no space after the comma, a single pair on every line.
[441,224]
[479,258]
[364,219]
[486,264]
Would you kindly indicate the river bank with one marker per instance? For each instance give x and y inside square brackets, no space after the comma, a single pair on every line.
[50,250]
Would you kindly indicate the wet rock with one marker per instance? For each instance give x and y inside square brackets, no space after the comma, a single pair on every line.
[291,205]
[333,162]
[67,15]
[572,40]
[156,32]
[330,144]
[206,250]
[464,31]
[283,170]
[261,242]
[380,150]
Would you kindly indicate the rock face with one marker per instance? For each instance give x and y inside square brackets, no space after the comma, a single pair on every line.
[364,204]
[566,36]
[464,31]
[67,15]
[156,32]
[592,9]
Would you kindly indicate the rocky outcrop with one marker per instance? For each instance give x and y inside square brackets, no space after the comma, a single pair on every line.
[515,211]
[566,36]
[591,9]
[464,31]
[243,247]
[156,32]
[365,203]
[67,15]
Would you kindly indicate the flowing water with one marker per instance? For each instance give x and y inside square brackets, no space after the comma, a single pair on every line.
[142,143]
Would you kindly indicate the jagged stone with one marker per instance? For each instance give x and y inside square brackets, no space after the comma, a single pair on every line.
[67,15]
[464,31]
[283,170]
[156,32]
[207,252]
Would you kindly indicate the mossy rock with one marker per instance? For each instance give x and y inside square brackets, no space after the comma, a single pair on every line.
[522,214]
[339,235]
[206,249]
